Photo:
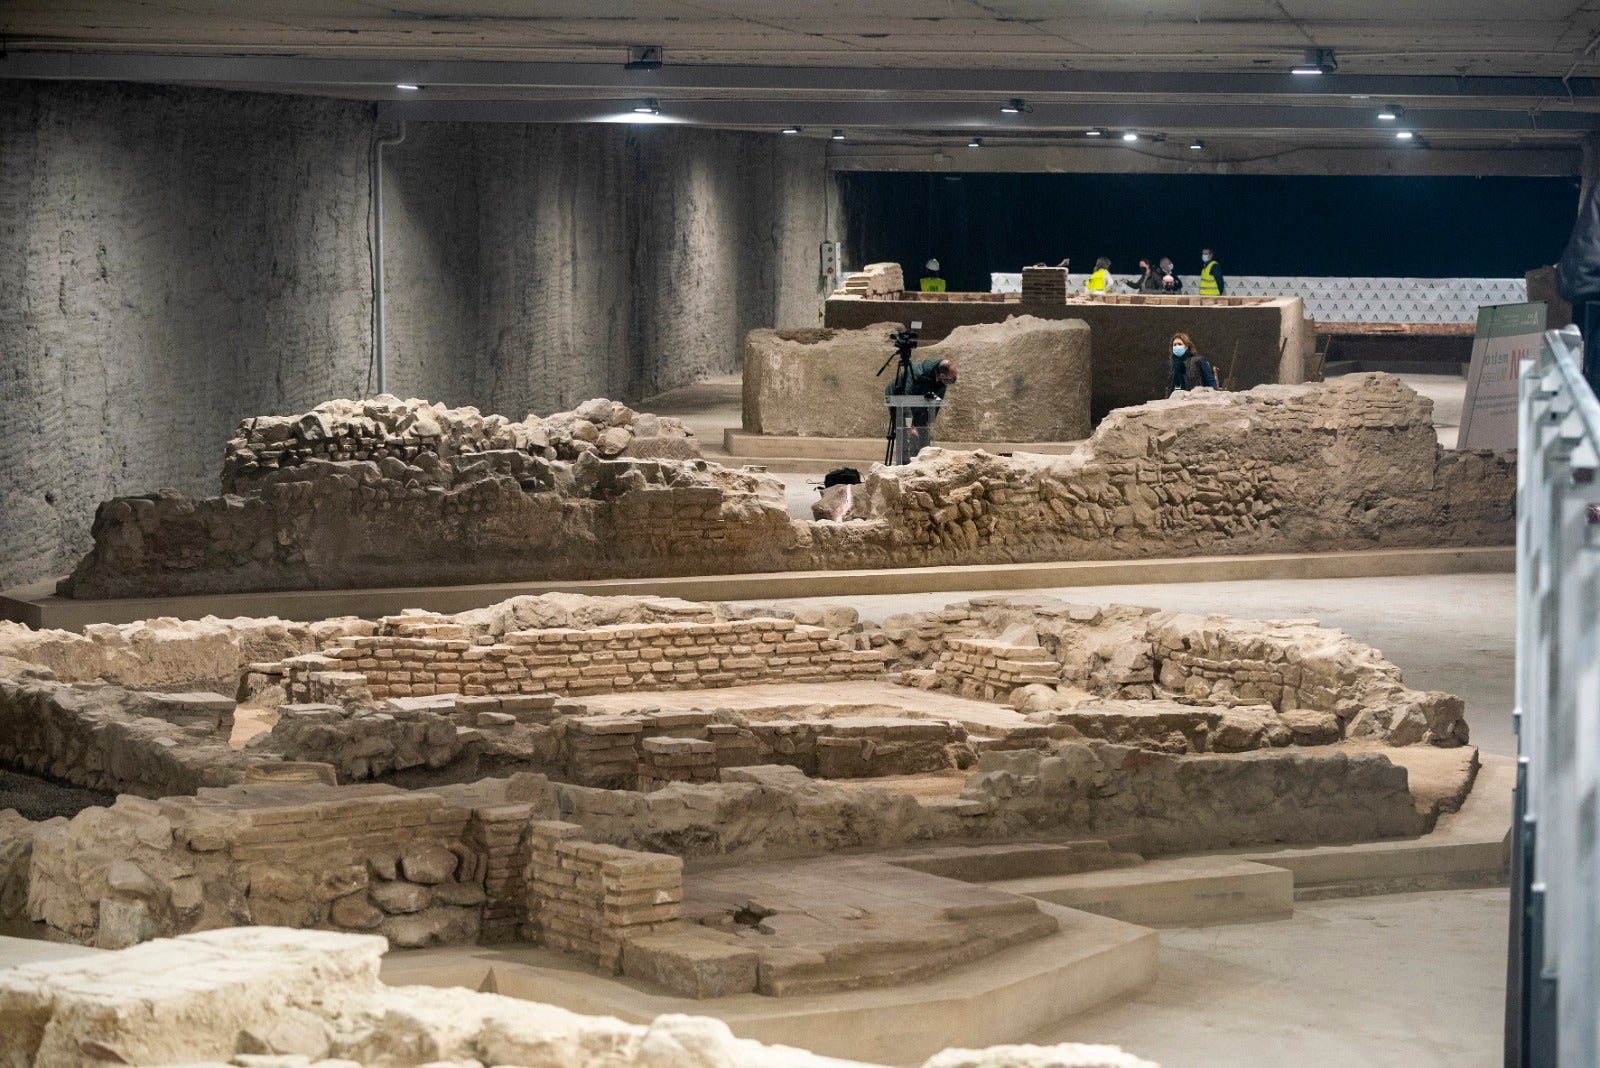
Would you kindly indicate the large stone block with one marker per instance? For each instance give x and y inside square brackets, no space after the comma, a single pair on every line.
[1026,379]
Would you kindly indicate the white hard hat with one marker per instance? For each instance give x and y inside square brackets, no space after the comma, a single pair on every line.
[931,265]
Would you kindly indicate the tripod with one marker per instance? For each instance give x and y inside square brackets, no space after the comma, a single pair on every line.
[904,341]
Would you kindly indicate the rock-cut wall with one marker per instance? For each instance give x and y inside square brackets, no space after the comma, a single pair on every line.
[173,260]
[1351,464]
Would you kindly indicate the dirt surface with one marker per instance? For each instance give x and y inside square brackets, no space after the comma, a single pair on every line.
[42,799]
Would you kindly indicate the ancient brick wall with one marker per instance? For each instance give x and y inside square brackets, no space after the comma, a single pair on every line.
[588,899]
[567,661]
[989,668]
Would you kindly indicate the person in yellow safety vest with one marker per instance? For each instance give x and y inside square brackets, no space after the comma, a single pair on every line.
[1100,281]
[1212,284]
[931,282]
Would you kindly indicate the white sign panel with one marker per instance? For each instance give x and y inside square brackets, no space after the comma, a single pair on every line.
[1507,334]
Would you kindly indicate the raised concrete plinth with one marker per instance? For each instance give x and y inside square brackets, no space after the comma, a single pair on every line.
[38,606]
[1174,892]
[1003,998]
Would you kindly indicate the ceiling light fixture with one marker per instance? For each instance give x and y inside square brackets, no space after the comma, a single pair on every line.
[838,135]
[1015,106]
[408,87]
[1316,61]
[647,107]
[1404,135]
[1390,112]
[1129,135]
[791,129]
[976,142]
[1197,144]
[1098,131]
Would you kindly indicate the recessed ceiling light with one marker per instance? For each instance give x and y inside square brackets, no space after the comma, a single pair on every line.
[1197,144]
[791,129]
[408,87]
[1404,135]
[647,107]
[838,135]
[1390,112]
[1015,106]
[976,142]
[1317,61]
[1098,131]
[1129,135]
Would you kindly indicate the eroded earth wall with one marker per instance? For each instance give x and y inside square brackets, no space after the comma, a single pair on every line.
[173,260]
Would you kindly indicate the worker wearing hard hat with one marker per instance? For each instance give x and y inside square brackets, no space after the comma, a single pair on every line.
[931,282]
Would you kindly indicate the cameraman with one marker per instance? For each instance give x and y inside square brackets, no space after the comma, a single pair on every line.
[929,379]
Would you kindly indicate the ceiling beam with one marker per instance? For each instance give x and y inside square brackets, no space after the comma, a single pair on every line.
[381,75]
[1047,117]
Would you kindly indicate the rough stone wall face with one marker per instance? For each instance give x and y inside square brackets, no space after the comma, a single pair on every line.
[1345,465]
[408,865]
[172,260]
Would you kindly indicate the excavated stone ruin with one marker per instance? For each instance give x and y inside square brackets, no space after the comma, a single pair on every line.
[382,494]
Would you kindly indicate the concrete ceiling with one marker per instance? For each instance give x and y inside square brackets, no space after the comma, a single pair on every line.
[1472,74]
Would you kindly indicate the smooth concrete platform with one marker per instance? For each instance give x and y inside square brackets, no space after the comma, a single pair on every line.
[39,607]
[1171,892]
[1089,961]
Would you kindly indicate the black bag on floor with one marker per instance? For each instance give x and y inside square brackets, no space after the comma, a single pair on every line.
[841,476]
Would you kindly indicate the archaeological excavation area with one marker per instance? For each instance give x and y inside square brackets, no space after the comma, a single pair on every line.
[756,535]
[714,829]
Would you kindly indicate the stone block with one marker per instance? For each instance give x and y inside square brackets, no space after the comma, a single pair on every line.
[691,966]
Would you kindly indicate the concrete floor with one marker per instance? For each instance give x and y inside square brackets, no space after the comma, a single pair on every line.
[1400,981]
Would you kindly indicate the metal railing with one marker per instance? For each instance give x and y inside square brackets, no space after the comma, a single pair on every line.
[1553,968]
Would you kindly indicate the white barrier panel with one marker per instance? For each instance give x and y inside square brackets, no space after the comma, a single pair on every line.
[1554,1000]
[1352,300]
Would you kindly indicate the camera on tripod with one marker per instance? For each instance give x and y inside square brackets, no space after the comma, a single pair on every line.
[905,340]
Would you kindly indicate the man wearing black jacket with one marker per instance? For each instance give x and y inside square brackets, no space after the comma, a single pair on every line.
[1578,280]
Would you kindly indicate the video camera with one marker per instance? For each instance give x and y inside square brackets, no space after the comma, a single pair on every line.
[906,339]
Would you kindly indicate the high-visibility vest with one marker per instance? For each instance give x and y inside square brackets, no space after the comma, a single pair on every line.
[1098,281]
[933,284]
[1208,285]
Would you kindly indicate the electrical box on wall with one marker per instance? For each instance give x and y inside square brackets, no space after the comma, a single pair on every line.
[832,263]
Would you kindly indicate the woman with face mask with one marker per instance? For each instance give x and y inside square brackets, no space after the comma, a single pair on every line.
[1190,370]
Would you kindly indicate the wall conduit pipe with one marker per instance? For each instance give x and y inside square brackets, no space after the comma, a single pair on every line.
[380,361]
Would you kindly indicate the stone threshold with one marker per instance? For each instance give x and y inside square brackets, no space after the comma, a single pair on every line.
[39,607]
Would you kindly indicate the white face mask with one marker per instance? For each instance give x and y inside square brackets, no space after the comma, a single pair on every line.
[1179,350]
[1205,257]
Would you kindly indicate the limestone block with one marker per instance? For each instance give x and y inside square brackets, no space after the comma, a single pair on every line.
[399,898]
[690,965]
[437,926]
[1026,379]
[428,864]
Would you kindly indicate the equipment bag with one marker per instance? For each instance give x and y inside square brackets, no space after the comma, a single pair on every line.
[841,476]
